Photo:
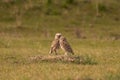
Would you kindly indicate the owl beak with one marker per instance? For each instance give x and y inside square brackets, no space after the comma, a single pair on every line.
[59,36]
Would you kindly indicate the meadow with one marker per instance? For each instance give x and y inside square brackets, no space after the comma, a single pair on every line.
[27,29]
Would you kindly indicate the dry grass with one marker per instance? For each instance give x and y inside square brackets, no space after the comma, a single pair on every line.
[25,40]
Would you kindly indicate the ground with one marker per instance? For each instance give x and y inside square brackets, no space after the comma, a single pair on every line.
[96,38]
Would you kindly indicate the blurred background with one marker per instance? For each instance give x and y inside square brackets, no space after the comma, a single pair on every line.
[78,19]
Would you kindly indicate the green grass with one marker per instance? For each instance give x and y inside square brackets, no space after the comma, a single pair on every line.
[15,62]
[100,48]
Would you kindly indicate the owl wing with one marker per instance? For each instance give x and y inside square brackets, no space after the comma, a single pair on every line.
[55,43]
[67,47]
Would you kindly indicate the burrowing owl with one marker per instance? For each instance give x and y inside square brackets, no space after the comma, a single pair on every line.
[55,44]
[65,45]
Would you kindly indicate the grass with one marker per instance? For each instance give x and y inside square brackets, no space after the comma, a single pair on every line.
[15,63]
[99,45]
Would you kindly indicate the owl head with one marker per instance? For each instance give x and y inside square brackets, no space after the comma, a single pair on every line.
[58,35]
[62,38]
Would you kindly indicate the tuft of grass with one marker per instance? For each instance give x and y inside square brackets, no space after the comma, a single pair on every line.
[49,2]
[88,60]
[102,7]
[70,1]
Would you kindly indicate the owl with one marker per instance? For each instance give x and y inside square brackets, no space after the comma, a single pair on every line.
[55,44]
[65,46]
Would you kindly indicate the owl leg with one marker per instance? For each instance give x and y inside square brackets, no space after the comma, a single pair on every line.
[55,52]
[51,51]
[66,54]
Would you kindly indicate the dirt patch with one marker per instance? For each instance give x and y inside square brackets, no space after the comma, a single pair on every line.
[57,58]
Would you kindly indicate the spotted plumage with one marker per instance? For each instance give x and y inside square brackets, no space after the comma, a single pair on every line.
[65,46]
[55,44]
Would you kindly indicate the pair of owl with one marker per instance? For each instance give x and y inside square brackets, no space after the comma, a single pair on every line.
[60,42]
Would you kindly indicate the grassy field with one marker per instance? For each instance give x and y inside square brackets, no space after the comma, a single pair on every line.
[27,28]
